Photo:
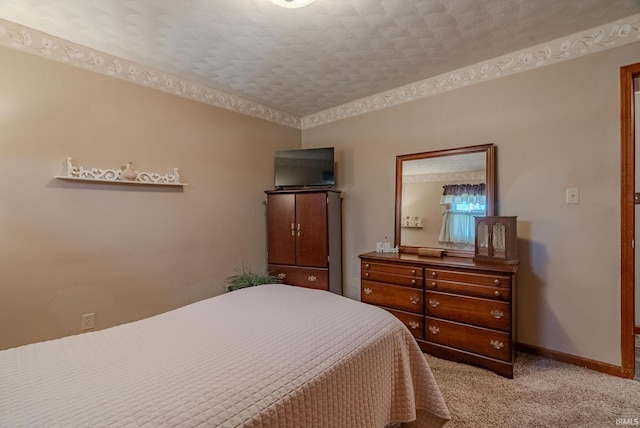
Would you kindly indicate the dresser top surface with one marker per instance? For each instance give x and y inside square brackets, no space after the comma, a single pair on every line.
[455,262]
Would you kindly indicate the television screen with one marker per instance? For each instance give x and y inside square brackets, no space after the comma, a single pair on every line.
[304,167]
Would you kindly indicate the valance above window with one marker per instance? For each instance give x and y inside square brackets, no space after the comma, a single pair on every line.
[464,194]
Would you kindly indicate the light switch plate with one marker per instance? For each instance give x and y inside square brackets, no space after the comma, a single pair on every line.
[573,195]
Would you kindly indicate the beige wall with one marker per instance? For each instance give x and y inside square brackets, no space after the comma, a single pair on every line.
[121,252]
[555,127]
[125,253]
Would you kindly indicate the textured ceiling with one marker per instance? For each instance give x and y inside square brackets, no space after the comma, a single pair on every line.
[302,61]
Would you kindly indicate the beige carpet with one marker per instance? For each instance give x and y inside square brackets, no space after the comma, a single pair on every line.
[543,393]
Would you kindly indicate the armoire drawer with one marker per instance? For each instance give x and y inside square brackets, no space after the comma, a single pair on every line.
[301,276]
[392,296]
[483,341]
[469,310]
[495,280]
[414,322]
[488,292]
[410,276]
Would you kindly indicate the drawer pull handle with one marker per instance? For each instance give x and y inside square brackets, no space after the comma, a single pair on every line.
[282,275]
[496,281]
[413,282]
[496,293]
[368,291]
[497,314]
[434,303]
[367,265]
[434,274]
[497,344]
[433,329]
[414,299]
[434,284]
[413,271]
[293,229]
[414,325]
[366,274]
[312,278]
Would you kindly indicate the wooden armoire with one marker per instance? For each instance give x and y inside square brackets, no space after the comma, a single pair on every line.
[304,237]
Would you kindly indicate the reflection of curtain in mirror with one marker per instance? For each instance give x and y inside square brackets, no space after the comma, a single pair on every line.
[462,202]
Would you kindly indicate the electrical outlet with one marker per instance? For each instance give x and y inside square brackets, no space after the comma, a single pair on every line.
[87,321]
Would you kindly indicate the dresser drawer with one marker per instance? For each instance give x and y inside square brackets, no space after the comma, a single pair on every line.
[409,281]
[302,277]
[490,343]
[470,310]
[405,270]
[496,280]
[392,296]
[485,291]
[410,276]
[414,322]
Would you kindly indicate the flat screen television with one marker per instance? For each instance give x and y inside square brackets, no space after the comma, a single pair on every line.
[304,168]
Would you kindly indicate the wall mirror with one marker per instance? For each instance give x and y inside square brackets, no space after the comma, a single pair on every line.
[438,195]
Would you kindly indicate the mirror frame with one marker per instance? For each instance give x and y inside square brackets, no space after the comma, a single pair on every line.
[490,152]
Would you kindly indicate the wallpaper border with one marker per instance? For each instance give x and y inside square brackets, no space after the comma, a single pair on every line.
[614,34]
[617,33]
[26,39]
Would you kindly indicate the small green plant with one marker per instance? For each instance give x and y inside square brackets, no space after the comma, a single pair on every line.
[246,277]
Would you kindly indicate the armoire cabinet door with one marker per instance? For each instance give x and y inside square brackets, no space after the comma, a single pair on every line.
[312,245]
[297,229]
[281,229]
[311,229]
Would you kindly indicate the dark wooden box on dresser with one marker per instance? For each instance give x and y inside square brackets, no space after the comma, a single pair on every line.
[457,308]
[304,232]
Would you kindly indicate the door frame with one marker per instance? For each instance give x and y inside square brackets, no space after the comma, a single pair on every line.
[627,222]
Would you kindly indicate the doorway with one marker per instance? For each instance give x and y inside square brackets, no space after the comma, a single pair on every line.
[628,75]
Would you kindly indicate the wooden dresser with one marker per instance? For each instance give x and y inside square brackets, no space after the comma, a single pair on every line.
[456,308]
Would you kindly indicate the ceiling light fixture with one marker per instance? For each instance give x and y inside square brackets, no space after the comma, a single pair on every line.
[292,4]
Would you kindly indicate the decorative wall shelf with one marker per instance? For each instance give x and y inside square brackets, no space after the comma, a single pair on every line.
[124,175]
[412,222]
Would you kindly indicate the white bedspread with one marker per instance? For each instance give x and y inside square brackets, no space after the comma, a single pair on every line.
[267,356]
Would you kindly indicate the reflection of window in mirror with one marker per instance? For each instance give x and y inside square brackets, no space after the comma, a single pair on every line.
[462,203]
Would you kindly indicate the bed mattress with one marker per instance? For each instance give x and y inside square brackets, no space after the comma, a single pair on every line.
[267,356]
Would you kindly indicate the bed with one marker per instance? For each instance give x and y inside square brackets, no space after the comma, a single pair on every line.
[267,356]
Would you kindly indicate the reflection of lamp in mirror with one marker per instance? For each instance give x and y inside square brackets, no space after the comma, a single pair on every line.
[496,239]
